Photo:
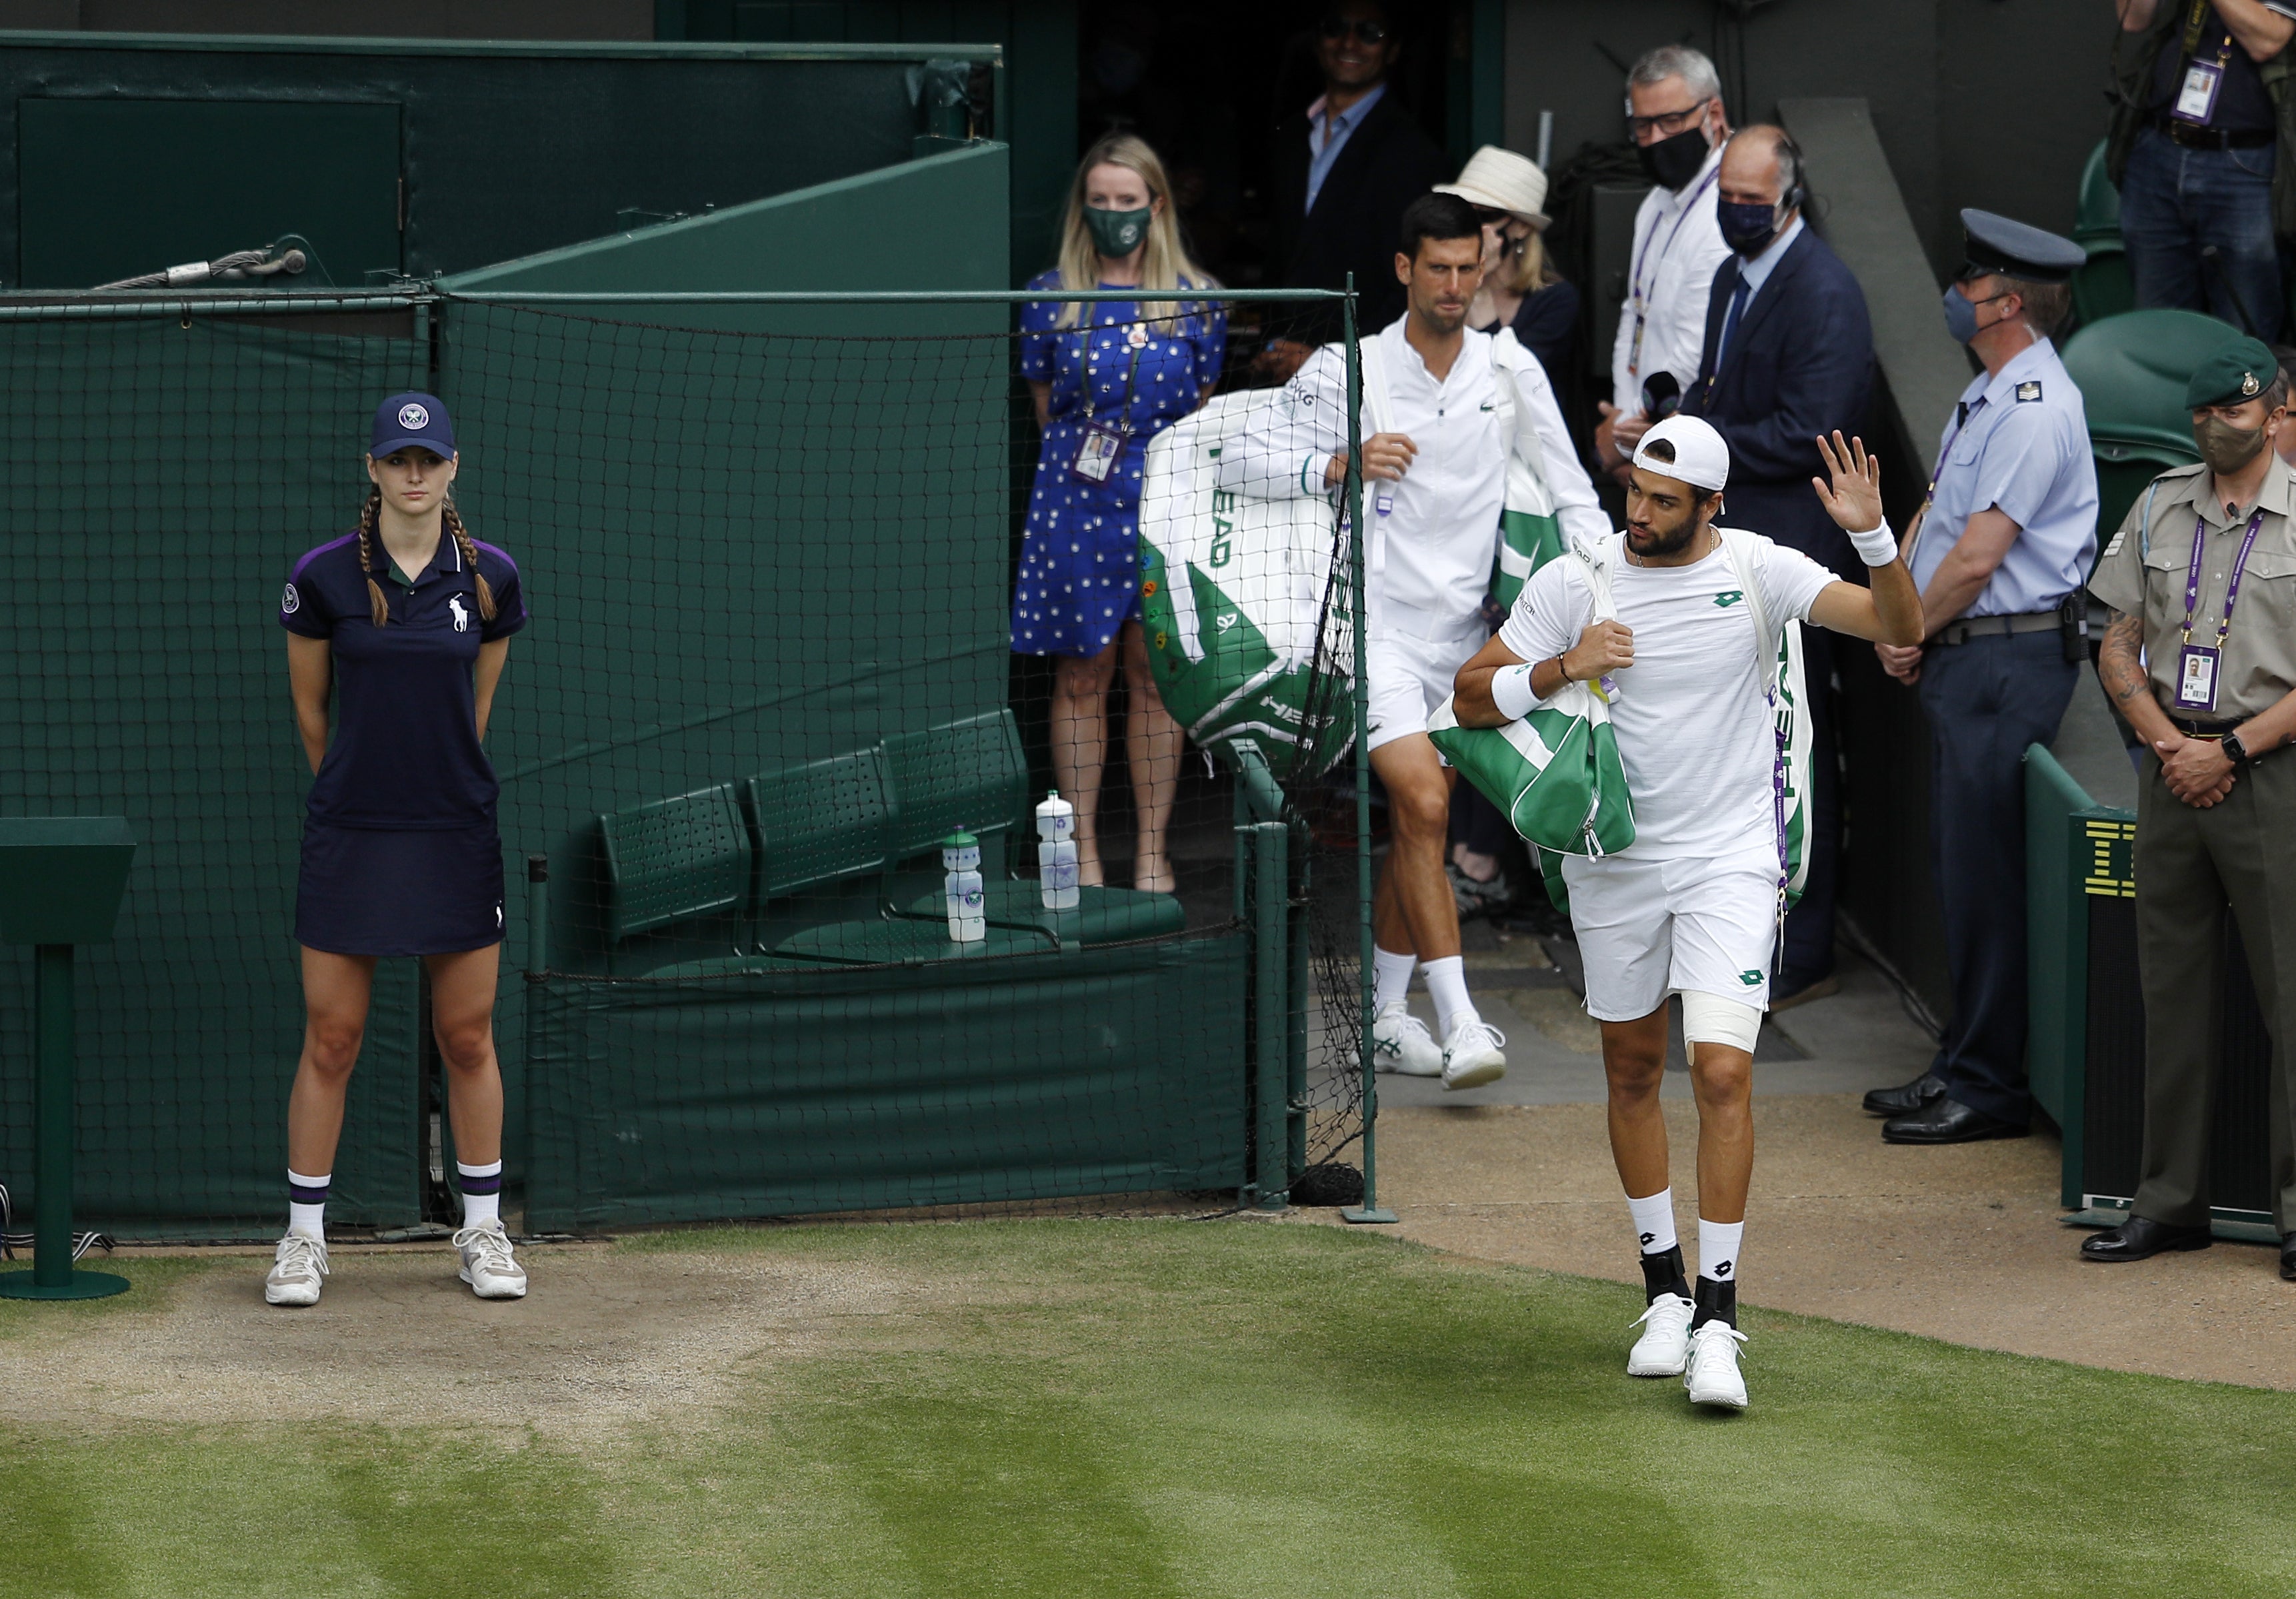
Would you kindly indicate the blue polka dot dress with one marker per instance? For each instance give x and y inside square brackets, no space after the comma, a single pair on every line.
[1079,579]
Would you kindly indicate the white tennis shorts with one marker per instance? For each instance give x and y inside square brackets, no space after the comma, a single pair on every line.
[1651,928]
[1409,678]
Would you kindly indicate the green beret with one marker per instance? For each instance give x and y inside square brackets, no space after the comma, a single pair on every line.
[2240,371]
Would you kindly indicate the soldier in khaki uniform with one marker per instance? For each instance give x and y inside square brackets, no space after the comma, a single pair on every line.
[2201,657]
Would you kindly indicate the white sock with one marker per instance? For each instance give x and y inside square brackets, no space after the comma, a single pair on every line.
[481,1187]
[1392,977]
[1446,984]
[307,1205]
[1654,1221]
[1718,1248]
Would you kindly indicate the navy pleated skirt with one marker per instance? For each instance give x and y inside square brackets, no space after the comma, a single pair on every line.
[365,891]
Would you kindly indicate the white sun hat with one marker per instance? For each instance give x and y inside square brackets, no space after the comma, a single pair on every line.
[1701,458]
[1505,182]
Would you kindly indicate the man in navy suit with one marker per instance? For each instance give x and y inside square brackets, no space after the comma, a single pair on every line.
[1789,356]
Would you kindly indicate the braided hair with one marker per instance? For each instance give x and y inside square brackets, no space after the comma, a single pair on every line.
[370,534]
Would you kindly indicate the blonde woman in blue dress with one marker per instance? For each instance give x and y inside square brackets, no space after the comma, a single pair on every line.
[1108,376]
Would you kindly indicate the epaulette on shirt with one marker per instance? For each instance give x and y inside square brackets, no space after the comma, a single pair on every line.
[2029,390]
[2121,534]
[2182,471]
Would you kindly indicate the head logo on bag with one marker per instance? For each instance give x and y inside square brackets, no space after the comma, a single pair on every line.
[1246,599]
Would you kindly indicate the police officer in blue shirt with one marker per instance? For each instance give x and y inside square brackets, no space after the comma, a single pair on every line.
[2001,549]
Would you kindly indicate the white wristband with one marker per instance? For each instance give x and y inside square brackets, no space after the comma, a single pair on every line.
[1512,693]
[1877,547]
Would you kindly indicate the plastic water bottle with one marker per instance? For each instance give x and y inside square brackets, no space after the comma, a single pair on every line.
[1056,853]
[967,898]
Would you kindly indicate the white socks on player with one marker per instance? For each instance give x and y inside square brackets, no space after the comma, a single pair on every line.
[481,1187]
[307,1205]
[1718,1248]
[1653,1221]
[1392,977]
[1446,985]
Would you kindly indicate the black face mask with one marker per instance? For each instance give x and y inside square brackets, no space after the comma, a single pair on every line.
[1747,229]
[1673,163]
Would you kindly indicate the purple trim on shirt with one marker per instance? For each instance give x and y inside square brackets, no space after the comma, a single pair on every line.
[313,554]
[500,555]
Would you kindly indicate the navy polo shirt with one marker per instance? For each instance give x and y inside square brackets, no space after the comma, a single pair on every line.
[406,753]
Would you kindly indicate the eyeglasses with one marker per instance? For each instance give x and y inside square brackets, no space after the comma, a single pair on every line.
[1366,31]
[1668,123]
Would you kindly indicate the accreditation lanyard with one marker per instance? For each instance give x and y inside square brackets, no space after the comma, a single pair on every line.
[1642,294]
[2197,87]
[1969,408]
[2196,664]
[1102,443]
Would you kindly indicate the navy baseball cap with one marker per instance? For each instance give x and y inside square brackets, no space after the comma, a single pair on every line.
[412,419]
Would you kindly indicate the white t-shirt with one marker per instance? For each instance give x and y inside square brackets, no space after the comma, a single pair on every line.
[1696,734]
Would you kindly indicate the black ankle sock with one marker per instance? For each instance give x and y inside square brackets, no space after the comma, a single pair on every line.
[1662,1273]
[1717,1302]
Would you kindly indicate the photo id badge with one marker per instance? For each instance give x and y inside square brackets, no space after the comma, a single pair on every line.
[2198,97]
[2196,678]
[1096,453]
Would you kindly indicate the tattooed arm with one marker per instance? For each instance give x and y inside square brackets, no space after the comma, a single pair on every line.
[2195,770]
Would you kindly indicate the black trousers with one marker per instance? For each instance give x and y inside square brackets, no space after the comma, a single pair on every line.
[1987,701]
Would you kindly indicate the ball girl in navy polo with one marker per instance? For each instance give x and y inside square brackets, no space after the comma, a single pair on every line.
[406,623]
[1108,377]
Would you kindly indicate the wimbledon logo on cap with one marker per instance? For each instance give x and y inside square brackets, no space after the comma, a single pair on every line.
[412,415]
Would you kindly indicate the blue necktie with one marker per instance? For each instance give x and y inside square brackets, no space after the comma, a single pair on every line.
[1730,319]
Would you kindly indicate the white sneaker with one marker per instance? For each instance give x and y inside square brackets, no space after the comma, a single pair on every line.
[1664,1347]
[1711,1374]
[1471,1055]
[1401,1043]
[488,1265]
[298,1271]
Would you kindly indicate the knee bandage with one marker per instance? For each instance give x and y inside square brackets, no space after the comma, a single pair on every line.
[1712,1019]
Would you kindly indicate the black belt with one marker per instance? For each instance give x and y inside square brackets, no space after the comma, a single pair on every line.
[1996,627]
[2192,729]
[2213,138]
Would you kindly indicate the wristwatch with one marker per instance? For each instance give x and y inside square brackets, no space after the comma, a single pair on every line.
[2234,751]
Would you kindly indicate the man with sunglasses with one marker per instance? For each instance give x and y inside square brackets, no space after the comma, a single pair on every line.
[1674,115]
[2000,548]
[1345,168]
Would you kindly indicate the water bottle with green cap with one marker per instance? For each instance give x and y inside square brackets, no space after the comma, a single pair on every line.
[966,897]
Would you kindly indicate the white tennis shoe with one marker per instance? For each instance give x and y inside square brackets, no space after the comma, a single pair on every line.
[1471,1054]
[1711,1373]
[1664,1348]
[1401,1043]
[298,1272]
[488,1267]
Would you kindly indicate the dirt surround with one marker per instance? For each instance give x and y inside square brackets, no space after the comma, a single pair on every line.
[1964,1242]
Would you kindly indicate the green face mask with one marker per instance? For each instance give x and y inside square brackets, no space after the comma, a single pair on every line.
[1118,233]
[2224,447]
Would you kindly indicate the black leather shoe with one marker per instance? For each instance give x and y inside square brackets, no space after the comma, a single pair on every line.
[2288,1257]
[2140,1238]
[1946,1121]
[1925,1090]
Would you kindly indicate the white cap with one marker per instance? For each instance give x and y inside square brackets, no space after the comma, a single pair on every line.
[1503,181]
[1701,458]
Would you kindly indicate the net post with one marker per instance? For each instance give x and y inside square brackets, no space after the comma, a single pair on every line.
[1271,914]
[1370,1209]
[55,1130]
[538,914]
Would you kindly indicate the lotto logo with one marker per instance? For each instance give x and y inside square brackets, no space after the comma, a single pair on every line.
[1753,979]
[1722,1270]
[1729,597]
[413,416]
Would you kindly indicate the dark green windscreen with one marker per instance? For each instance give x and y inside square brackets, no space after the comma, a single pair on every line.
[114,189]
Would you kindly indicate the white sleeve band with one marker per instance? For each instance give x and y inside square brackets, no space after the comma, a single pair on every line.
[1512,693]
[1877,547]
[1712,1019]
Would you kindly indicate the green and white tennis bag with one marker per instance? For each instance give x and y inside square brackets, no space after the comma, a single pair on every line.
[1555,773]
[1530,535]
[1237,592]
[1784,686]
